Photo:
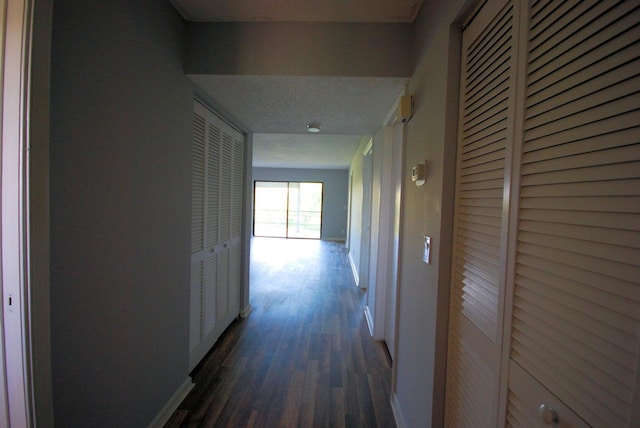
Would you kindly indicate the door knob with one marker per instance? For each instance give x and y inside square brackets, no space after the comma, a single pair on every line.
[548,414]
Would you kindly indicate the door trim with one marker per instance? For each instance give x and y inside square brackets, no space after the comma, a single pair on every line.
[16,30]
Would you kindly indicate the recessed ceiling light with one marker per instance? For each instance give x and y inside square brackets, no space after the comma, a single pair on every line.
[313,127]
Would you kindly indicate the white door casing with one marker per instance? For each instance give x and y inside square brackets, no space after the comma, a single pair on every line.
[15,409]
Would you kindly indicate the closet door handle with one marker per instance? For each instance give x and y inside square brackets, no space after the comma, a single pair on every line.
[548,414]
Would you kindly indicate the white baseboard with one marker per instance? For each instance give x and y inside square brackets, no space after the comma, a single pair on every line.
[244,312]
[334,239]
[354,270]
[397,413]
[172,405]
[367,315]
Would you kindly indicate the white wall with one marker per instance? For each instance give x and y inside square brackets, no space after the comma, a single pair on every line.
[428,210]
[335,197]
[120,159]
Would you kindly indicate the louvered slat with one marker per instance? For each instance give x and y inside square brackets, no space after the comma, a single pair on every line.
[226,171]
[482,150]
[197,184]
[587,48]
[577,284]
[515,416]
[237,185]
[213,179]
[466,376]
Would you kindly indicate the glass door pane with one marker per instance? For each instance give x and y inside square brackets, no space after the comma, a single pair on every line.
[270,209]
[287,210]
[305,210]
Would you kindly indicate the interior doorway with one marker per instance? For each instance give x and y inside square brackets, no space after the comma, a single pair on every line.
[284,209]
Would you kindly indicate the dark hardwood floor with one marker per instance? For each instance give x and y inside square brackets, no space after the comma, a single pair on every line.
[303,358]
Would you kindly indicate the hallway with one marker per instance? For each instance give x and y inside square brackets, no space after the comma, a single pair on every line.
[303,357]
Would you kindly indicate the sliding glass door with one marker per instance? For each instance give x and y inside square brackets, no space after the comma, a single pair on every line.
[287,209]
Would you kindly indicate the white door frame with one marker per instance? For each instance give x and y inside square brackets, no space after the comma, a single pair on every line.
[365,243]
[16,27]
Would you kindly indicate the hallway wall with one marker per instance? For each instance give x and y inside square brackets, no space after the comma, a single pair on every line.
[335,197]
[428,210]
[299,49]
[121,127]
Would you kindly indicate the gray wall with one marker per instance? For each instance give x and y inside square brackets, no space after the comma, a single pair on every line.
[120,159]
[335,198]
[39,216]
[428,210]
[300,49]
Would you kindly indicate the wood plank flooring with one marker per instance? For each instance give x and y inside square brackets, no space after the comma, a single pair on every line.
[303,358]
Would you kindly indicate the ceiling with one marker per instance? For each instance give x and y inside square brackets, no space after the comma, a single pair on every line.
[278,108]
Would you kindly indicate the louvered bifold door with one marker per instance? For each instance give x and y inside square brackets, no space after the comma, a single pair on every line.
[212,306]
[477,289]
[576,309]
[212,238]
[237,187]
[237,198]
[197,228]
[226,171]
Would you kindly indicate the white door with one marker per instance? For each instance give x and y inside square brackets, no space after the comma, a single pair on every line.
[365,243]
[575,311]
[216,227]
[15,21]
[481,215]
[545,303]
[397,156]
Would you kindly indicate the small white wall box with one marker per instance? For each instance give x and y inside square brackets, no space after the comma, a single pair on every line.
[419,173]
[405,109]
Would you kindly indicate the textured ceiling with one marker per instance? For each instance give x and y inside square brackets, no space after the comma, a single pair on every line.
[298,10]
[304,151]
[277,110]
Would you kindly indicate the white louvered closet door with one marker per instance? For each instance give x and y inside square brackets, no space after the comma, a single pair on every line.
[226,170]
[237,199]
[216,198]
[212,238]
[204,227]
[575,337]
[197,228]
[231,199]
[478,273]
